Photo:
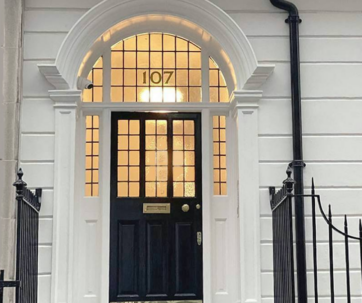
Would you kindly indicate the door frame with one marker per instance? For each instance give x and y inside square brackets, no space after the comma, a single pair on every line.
[169,117]
[237,268]
[100,213]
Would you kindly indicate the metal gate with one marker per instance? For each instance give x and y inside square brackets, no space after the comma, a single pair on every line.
[284,288]
[28,207]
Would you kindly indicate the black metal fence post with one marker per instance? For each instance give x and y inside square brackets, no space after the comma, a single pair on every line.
[315,258]
[331,258]
[1,286]
[28,207]
[346,244]
[360,246]
[20,185]
[283,254]
[27,241]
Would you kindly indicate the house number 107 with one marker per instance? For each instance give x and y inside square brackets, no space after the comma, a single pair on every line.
[156,77]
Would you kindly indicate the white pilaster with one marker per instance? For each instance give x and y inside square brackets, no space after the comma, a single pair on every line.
[246,114]
[65,105]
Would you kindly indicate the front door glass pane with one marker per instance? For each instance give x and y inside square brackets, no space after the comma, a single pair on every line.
[128,158]
[167,157]
[156,158]
[183,158]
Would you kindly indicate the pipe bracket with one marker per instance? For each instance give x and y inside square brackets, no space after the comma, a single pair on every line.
[297,163]
[293,19]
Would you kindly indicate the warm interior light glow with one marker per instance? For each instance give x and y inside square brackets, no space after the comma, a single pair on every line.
[169,94]
[162,111]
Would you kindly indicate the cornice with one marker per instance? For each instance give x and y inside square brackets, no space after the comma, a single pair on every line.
[52,74]
[65,98]
[259,77]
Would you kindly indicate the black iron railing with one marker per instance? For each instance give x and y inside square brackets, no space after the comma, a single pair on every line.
[283,255]
[348,239]
[281,204]
[28,207]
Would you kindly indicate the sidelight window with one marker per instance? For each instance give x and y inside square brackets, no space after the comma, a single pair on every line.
[92,157]
[219,151]
[128,158]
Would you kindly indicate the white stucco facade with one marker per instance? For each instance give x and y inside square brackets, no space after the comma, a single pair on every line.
[255,38]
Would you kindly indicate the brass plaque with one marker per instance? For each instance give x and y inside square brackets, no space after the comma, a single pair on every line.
[156,208]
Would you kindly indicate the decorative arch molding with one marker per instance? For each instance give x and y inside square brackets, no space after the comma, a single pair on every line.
[208,19]
[206,24]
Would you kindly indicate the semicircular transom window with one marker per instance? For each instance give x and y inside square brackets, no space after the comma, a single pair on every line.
[156,67]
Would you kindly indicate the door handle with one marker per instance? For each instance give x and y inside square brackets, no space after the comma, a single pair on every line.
[185,208]
[199,238]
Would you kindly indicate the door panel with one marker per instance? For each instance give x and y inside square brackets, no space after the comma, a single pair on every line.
[155,188]
[185,267]
[157,275]
[128,261]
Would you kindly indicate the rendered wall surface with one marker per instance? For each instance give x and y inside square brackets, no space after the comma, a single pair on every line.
[331,54]
[11,12]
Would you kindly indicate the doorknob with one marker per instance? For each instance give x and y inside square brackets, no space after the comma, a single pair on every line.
[185,208]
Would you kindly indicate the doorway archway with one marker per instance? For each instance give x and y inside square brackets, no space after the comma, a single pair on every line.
[205,24]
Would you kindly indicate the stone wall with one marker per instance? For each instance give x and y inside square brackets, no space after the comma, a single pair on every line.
[11,12]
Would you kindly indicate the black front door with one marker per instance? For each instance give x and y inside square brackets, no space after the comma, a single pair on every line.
[156,207]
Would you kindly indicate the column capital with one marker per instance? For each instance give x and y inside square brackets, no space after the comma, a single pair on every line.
[65,98]
[245,100]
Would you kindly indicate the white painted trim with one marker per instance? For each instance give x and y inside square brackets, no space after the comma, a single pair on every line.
[206,137]
[105,132]
[246,113]
[205,74]
[233,214]
[64,180]
[139,106]
[202,15]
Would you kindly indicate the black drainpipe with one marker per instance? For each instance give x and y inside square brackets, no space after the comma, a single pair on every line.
[297,164]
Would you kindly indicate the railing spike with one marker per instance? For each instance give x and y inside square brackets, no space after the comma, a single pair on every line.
[315,254]
[19,184]
[346,246]
[20,173]
[288,183]
[360,245]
